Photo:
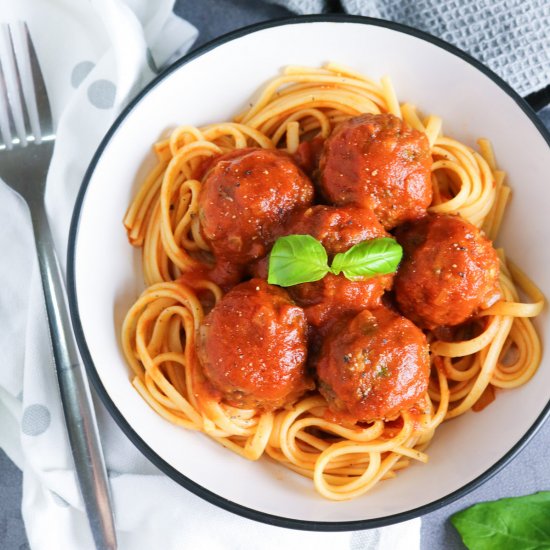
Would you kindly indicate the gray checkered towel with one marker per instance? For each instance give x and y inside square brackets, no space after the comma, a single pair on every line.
[512,37]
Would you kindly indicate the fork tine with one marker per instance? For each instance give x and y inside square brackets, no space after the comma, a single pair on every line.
[7,59]
[4,115]
[38,88]
[20,37]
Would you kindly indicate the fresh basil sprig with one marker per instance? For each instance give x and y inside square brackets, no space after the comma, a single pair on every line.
[368,259]
[297,259]
[506,524]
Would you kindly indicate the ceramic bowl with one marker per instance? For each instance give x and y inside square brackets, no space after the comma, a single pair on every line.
[213,84]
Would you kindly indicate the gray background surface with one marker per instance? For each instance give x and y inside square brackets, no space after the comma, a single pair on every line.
[529,472]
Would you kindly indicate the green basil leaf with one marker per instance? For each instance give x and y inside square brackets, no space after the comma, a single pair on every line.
[369,258]
[297,259]
[506,524]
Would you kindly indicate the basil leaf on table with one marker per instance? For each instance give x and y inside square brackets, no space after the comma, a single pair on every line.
[519,523]
[369,258]
[297,259]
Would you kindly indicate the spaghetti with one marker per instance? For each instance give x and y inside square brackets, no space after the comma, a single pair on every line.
[159,332]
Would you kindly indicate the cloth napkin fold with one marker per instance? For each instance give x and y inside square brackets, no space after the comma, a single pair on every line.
[509,36]
[95,55]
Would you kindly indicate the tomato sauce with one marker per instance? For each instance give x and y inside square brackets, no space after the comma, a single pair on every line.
[253,346]
[377,161]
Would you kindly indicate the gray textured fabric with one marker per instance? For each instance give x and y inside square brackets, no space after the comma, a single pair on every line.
[12,530]
[303,7]
[512,37]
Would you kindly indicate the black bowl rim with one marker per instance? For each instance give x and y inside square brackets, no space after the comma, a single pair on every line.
[177,476]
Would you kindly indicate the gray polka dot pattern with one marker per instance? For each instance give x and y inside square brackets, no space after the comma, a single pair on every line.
[102,93]
[60,501]
[36,420]
[80,72]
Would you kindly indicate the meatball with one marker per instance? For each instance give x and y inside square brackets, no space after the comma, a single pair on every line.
[374,366]
[327,300]
[338,229]
[223,273]
[378,161]
[308,154]
[252,347]
[245,196]
[450,271]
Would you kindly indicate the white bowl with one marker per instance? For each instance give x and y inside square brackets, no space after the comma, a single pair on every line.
[216,82]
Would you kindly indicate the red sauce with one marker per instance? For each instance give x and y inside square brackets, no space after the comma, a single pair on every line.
[374,365]
[252,347]
[308,155]
[204,165]
[225,274]
[338,229]
[486,398]
[449,273]
[334,296]
[377,161]
[371,362]
[245,197]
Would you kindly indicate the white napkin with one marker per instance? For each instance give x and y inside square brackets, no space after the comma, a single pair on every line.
[95,55]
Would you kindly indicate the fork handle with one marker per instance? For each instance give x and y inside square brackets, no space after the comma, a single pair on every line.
[75,393]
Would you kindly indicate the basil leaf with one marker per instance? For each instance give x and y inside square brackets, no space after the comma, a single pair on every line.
[506,524]
[297,259]
[369,258]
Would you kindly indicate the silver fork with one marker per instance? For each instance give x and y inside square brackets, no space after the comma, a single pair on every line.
[25,154]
